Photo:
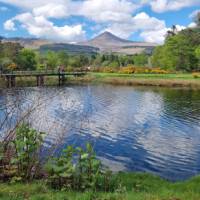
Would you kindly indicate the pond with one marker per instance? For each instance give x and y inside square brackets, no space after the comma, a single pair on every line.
[149,129]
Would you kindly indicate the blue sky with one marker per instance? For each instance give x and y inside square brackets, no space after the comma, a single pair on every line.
[73,21]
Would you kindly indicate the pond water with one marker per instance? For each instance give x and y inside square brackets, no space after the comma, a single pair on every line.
[147,129]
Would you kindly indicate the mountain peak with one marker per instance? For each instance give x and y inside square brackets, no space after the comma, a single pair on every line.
[107,33]
[108,37]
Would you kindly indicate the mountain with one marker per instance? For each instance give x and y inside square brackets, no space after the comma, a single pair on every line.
[32,43]
[70,48]
[107,42]
[104,43]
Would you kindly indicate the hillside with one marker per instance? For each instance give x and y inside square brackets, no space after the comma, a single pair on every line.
[104,43]
[70,48]
[32,43]
[107,42]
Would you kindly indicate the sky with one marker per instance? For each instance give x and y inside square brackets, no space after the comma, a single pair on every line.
[78,20]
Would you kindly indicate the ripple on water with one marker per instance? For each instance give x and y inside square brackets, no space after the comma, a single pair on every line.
[144,129]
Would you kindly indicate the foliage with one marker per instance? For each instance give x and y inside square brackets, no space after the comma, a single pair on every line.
[63,58]
[8,54]
[51,60]
[78,169]
[180,51]
[5,62]
[196,75]
[26,60]
[10,50]
[134,186]
[140,59]
[127,70]
[27,144]
[142,70]
[108,69]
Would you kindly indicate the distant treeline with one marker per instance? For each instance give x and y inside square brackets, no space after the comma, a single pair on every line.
[15,57]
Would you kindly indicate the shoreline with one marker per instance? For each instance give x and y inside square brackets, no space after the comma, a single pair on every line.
[134,186]
[117,79]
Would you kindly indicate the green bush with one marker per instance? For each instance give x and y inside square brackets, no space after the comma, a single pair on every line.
[27,144]
[79,169]
[75,169]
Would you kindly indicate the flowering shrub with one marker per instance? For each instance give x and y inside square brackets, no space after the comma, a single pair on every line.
[108,70]
[127,70]
[12,67]
[159,71]
[196,75]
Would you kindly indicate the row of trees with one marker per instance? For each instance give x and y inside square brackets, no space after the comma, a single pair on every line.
[181,50]
[14,57]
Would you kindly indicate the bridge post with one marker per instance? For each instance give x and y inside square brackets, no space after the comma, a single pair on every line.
[61,79]
[40,80]
[37,80]
[10,81]
[13,81]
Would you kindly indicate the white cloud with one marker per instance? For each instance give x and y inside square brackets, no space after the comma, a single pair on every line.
[154,36]
[51,10]
[148,26]
[30,4]
[116,16]
[170,5]
[192,25]
[107,10]
[9,25]
[39,26]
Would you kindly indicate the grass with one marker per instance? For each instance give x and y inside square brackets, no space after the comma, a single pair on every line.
[177,76]
[135,186]
[165,80]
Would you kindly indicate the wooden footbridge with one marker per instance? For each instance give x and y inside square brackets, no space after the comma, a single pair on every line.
[10,78]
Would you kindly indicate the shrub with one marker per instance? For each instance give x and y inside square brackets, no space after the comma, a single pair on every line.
[159,71]
[196,75]
[127,70]
[108,69]
[27,144]
[78,169]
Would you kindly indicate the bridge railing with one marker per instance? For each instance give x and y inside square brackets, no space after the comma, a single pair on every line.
[42,72]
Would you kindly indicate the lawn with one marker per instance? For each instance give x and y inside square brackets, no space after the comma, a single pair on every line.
[183,76]
[134,186]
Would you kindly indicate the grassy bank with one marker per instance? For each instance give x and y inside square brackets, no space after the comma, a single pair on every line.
[163,80]
[136,186]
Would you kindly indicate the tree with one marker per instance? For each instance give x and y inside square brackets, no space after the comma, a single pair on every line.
[4,63]
[140,59]
[197,19]
[172,32]
[26,60]
[178,52]
[10,50]
[51,59]
[8,55]
[63,58]
[197,53]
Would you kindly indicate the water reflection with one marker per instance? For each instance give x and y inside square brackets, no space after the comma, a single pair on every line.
[142,129]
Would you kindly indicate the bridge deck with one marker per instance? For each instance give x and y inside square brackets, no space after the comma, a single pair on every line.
[11,77]
[44,74]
